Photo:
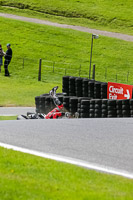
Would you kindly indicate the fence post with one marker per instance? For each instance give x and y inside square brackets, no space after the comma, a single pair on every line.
[40,66]
[93,75]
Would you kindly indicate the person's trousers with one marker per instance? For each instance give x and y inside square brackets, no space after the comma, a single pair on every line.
[6,63]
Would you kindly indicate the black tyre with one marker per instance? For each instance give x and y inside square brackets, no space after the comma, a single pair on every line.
[112,112]
[131,107]
[97,106]
[72,94]
[104,111]
[111,102]
[73,100]
[37,99]
[119,112]
[119,116]
[111,107]
[126,112]
[42,99]
[104,115]
[83,98]
[104,87]
[92,111]
[84,115]
[125,107]
[127,116]
[85,87]
[92,101]
[66,98]
[119,102]
[47,98]
[92,106]
[91,115]
[131,102]
[98,101]
[103,95]
[85,102]
[131,112]
[84,107]
[112,116]
[126,102]
[104,106]
[97,115]
[119,107]
[105,101]
[66,105]
[84,110]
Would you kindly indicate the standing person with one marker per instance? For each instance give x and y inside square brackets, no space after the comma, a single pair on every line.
[8,57]
[1,56]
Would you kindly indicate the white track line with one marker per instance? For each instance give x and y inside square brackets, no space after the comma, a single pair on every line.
[70,161]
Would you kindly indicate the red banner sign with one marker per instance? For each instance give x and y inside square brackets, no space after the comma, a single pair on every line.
[119,91]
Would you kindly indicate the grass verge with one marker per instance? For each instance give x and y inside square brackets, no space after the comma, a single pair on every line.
[67,50]
[8,117]
[105,15]
[29,177]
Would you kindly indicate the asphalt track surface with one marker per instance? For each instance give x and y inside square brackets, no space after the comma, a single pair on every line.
[13,111]
[104,142]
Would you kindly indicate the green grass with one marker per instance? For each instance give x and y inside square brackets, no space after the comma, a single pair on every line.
[8,117]
[21,92]
[102,14]
[69,49]
[24,176]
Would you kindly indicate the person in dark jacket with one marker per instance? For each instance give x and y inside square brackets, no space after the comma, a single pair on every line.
[8,57]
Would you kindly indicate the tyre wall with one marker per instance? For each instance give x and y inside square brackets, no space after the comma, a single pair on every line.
[88,98]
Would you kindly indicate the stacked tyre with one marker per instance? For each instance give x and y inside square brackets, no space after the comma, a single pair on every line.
[126,108]
[42,104]
[46,104]
[97,90]
[37,103]
[79,104]
[91,89]
[84,109]
[98,108]
[104,108]
[66,102]
[73,105]
[92,108]
[78,87]
[85,87]
[119,108]
[103,90]
[131,107]
[65,85]
[112,112]
[72,91]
